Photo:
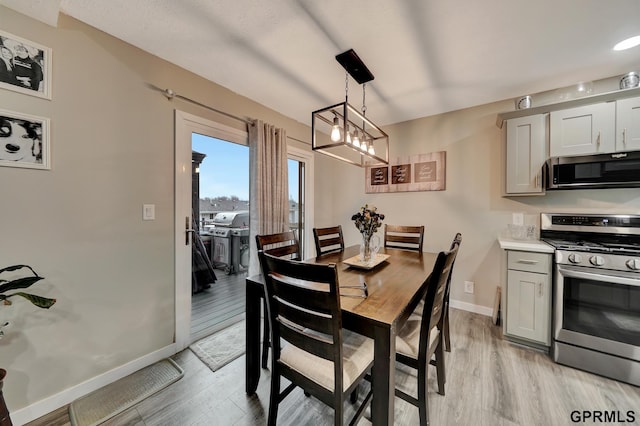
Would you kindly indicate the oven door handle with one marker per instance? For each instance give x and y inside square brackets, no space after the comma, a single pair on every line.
[614,279]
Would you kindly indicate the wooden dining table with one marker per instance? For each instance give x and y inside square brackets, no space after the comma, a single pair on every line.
[394,287]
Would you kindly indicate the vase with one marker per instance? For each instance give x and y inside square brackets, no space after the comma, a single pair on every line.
[5,420]
[368,247]
[365,248]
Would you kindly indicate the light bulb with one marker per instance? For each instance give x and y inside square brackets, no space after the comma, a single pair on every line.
[335,131]
[348,135]
[628,43]
[356,139]
[364,146]
[371,150]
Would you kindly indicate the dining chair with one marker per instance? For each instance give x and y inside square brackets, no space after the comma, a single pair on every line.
[421,339]
[328,240]
[457,240]
[311,349]
[281,244]
[403,237]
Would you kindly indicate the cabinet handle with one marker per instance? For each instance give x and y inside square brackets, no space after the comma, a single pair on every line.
[538,180]
[539,289]
[598,140]
[624,137]
[527,261]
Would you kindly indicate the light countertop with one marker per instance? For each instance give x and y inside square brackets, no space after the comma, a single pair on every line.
[525,245]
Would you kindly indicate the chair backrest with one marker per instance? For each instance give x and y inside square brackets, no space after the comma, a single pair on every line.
[283,244]
[328,239]
[455,244]
[434,299]
[457,240]
[303,302]
[404,237]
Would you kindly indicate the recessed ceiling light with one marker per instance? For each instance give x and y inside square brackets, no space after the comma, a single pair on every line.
[628,43]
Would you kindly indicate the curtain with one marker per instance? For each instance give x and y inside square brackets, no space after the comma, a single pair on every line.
[269,188]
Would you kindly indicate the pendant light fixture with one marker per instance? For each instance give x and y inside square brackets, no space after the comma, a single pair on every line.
[343,132]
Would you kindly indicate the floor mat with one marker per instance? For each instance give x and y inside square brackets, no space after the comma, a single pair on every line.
[113,399]
[222,347]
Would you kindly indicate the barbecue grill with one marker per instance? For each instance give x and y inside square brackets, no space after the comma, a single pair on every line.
[230,241]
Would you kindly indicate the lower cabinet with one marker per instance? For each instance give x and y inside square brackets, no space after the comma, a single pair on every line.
[528,299]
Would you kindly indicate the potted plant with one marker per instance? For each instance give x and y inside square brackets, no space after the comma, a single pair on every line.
[9,289]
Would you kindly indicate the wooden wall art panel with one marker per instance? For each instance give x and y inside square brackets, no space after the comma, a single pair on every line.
[422,172]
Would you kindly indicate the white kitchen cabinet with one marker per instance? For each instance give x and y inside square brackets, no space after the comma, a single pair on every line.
[588,129]
[628,124]
[528,299]
[526,153]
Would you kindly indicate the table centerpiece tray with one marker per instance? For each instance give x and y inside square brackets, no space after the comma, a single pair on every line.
[356,262]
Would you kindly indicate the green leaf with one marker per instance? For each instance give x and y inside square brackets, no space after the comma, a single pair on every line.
[16,267]
[24,282]
[39,301]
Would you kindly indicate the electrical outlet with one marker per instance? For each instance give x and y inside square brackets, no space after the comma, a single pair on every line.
[468,287]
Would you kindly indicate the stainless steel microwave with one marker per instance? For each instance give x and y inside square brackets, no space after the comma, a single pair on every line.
[613,170]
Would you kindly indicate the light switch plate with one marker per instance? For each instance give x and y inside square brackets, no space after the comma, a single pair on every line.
[148,212]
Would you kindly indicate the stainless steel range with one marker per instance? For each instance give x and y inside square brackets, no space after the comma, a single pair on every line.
[596,324]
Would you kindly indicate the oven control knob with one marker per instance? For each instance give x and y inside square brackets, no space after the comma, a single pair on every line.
[633,264]
[596,260]
[575,258]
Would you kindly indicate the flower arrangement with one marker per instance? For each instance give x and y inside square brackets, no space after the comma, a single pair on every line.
[367,220]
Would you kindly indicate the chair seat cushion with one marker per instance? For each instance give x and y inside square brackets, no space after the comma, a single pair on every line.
[408,338]
[357,352]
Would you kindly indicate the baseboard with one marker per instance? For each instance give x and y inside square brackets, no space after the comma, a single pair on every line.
[52,403]
[470,307]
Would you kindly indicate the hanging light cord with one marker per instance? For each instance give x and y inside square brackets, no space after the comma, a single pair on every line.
[364,105]
[346,86]
[364,108]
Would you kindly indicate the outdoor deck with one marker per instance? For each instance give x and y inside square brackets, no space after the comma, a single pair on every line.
[219,306]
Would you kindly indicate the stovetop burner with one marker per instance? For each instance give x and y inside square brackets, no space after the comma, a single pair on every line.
[594,247]
[592,233]
[576,245]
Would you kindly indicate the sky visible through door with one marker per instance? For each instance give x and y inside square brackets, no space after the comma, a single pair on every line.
[224,172]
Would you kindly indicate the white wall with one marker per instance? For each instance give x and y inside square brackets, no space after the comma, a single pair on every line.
[80,224]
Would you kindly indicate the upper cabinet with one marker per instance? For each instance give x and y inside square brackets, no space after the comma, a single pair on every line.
[526,154]
[605,123]
[628,124]
[588,129]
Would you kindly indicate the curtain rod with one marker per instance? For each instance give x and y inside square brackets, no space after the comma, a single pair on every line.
[170,94]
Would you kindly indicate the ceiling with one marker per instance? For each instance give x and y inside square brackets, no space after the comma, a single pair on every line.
[427,56]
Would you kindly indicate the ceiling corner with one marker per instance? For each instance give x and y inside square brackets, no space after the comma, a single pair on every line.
[42,10]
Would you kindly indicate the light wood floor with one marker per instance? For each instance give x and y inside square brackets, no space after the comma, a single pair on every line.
[489,382]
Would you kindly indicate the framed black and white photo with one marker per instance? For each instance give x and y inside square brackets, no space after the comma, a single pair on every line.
[25,66]
[24,141]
